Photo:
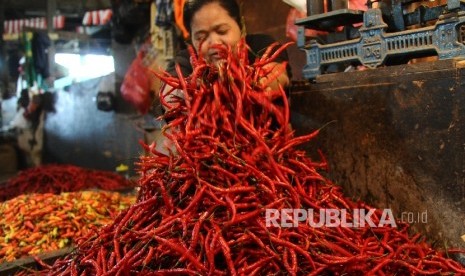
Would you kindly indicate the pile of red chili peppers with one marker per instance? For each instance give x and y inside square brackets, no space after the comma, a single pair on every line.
[58,178]
[201,208]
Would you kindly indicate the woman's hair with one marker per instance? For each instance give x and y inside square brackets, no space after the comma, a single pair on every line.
[191,7]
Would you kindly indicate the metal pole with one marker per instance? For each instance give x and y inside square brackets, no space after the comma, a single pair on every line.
[3,70]
[51,12]
[3,67]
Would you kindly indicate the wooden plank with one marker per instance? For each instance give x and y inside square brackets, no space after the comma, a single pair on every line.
[389,75]
[13,267]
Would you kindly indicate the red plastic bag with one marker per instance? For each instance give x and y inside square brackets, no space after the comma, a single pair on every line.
[136,85]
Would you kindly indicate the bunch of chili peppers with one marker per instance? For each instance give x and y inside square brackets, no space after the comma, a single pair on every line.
[35,223]
[58,178]
[201,209]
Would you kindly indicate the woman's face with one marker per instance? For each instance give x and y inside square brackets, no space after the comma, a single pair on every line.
[212,25]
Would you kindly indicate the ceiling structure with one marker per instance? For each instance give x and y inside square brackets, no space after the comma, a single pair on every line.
[17,9]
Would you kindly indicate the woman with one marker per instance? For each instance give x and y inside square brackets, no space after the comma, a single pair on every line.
[213,22]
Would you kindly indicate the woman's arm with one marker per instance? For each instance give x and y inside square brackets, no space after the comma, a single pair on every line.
[167,93]
[280,73]
[276,77]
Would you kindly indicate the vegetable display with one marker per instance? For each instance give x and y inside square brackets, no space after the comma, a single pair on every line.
[36,223]
[202,208]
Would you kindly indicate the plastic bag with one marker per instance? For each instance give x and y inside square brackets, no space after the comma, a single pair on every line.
[300,5]
[136,85]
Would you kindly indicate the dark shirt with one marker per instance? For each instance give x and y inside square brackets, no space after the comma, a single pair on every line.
[258,43]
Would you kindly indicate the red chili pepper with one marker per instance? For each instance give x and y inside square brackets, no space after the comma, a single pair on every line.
[182,251]
[201,207]
[296,248]
[227,253]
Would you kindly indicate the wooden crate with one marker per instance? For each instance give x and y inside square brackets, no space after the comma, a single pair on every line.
[10,268]
[396,140]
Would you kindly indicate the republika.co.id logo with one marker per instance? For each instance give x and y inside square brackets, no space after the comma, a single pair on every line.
[354,218]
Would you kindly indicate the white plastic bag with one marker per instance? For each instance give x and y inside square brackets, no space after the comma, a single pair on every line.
[300,5]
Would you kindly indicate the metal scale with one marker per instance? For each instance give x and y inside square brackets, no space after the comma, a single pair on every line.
[387,35]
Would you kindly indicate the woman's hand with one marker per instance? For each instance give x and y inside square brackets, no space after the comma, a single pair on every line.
[169,95]
[275,78]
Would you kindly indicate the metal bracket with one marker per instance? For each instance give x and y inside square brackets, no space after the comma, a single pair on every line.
[374,46]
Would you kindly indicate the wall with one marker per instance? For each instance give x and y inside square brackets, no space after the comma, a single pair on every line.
[78,133]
